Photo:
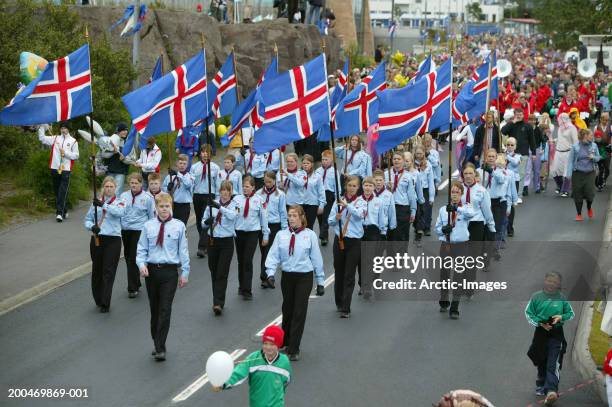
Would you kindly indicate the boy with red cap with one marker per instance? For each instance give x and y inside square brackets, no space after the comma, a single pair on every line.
[268,371]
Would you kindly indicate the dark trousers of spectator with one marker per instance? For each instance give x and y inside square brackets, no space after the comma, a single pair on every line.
[498,208]
[104,261]
[274,228]
[510,227]
[311,215]
[346,263]
[422,221]
[604,171]
[478,235]
[402,232]
[452,250]
[220,255]
[330,199]
[200,202]
[296,289]
[548,370]
[130,245]
[371,233]
[246,243]
[61,184]
[181,211]
[161,287]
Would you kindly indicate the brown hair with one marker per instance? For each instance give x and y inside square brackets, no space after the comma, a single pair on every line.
[230,157]
[378,173]
[310,159]
[270,175]
[368,180]
[154,176]
[469,165]
[136,176]
[457,184]
[300,212]
[326,153]
[248,179]
[583,133]
[226,185]
[183,157]
[350,178]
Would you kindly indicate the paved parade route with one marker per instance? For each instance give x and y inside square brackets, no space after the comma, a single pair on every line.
[391,353]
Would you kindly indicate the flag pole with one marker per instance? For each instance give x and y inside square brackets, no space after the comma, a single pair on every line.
[450,138]
[333,149]
[242,152]
[207,163]
[168,151]
[281,152]
[93,156]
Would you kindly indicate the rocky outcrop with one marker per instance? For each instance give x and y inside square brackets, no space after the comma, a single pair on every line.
[176,34]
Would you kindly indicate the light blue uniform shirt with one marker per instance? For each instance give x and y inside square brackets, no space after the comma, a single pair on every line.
[182,193]
[293,185]
[512,192]
[138,210]
[258,165]
[109,217]
[357,209]
[405,193]
[235,177]
[314,193]
[374,212]
[359,163]
[306,255]
[495,183]
[274,162]
[434,161]
[200,184]
[460,231]
[173,251]
[418,186]
[275,207]
[481,203]
[256,218]
[514,162]
[390,220]
[426,180]
[329,184]
[226,226]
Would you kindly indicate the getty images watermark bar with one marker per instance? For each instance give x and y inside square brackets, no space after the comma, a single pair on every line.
[403,271]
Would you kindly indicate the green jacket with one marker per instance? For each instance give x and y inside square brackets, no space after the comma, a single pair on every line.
[542,306]
[267,381]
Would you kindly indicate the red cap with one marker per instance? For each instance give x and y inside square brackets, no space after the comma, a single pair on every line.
[275,334]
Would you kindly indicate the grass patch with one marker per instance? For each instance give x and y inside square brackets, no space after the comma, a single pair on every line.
[21,206]
[599,341]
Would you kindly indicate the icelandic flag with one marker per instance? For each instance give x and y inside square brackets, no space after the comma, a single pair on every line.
[437,37]
[471,102]
[247,114]
[427,66]
[338,93]
[295,105]
[412,110]
[131,137]
[359,110]
[222,94]
[174,101]
[61,92]
[323,26]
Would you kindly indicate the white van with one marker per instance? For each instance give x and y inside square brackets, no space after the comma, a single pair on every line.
[593,42]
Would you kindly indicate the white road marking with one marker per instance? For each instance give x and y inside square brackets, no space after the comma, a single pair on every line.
[327,282]
[444,183]
[276,321]
[202,380]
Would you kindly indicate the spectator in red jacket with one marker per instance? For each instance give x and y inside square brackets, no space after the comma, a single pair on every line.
[607,369]
[569,101]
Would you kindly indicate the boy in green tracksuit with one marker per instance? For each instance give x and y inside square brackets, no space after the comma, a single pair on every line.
[547,311]
[268,370]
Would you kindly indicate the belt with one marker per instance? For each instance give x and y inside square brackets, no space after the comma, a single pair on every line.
[161,265]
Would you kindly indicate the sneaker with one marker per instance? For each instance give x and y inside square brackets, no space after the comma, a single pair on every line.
[59,218]
[132,294]
[564,194]
[540,391]
[590,213]
[217,310]
[579,218]
[443,309]
[345,315]
[551,397]
[427,232]
[160,356]
[66,215]
[557,191]
[454,315]
[201,253]
[519,201]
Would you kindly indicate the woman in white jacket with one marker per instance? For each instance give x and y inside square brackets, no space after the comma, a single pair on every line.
[566,138]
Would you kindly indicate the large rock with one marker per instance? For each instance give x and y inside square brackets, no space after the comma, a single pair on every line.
[176,34]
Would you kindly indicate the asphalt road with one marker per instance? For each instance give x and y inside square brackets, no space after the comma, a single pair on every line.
[390,353]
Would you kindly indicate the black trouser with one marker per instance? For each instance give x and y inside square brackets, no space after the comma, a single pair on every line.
[220,255]
[311,215]
[61,183]
[274,228]
[330,198]
[402,232]
[604,171]
[422,220]
[104,261]
[512,211]
[478,233]
[181,211]
[346,263]
[246,243]
[130,244]
[161,287]
[453,250]
[259,183]
[371,233]
[200,202]
[296,288]
[498,208]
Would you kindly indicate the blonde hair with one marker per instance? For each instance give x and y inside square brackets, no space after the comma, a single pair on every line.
[163,197]
[408,160]
[154,176]
[368,180]
[183,157]
[226,185]
[501,161]
[109,179]
[301,214]
[583,133]
[136,176]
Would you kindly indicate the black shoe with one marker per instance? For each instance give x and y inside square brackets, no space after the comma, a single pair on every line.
[294,357]
[511,233]
[218,310]
[525,191]
[247,296]
[160,356]
[201,253]
[153,352]
[132,294]
[104,310]
[264,284]
[345,315]
[359,293]
[428,232]
[443,308]
[323,242]
[454,315]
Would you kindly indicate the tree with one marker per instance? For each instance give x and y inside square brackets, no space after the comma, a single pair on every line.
[565,20]
[474,11]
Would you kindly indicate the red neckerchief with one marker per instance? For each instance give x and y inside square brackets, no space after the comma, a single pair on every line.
[350,161]
[269,161]
[379,193]
[219,214]
[109,203]
[467,194]
[246,205]
[454,216]
[325,172]
[251,155]
[204,170]
[367,203]
[349,200]
[227,174]
[287,179]
[155,193]
[489,181]
[292,241]
[268,193]
[134,196]
[160,234]
[307,177]
[397,177]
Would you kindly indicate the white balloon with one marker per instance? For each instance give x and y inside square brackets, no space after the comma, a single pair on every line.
[219,368]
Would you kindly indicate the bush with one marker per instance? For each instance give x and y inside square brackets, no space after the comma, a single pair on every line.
[17,145]
[358,60]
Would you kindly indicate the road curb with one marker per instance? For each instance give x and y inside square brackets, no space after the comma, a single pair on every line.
[53,283]
[581,355]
